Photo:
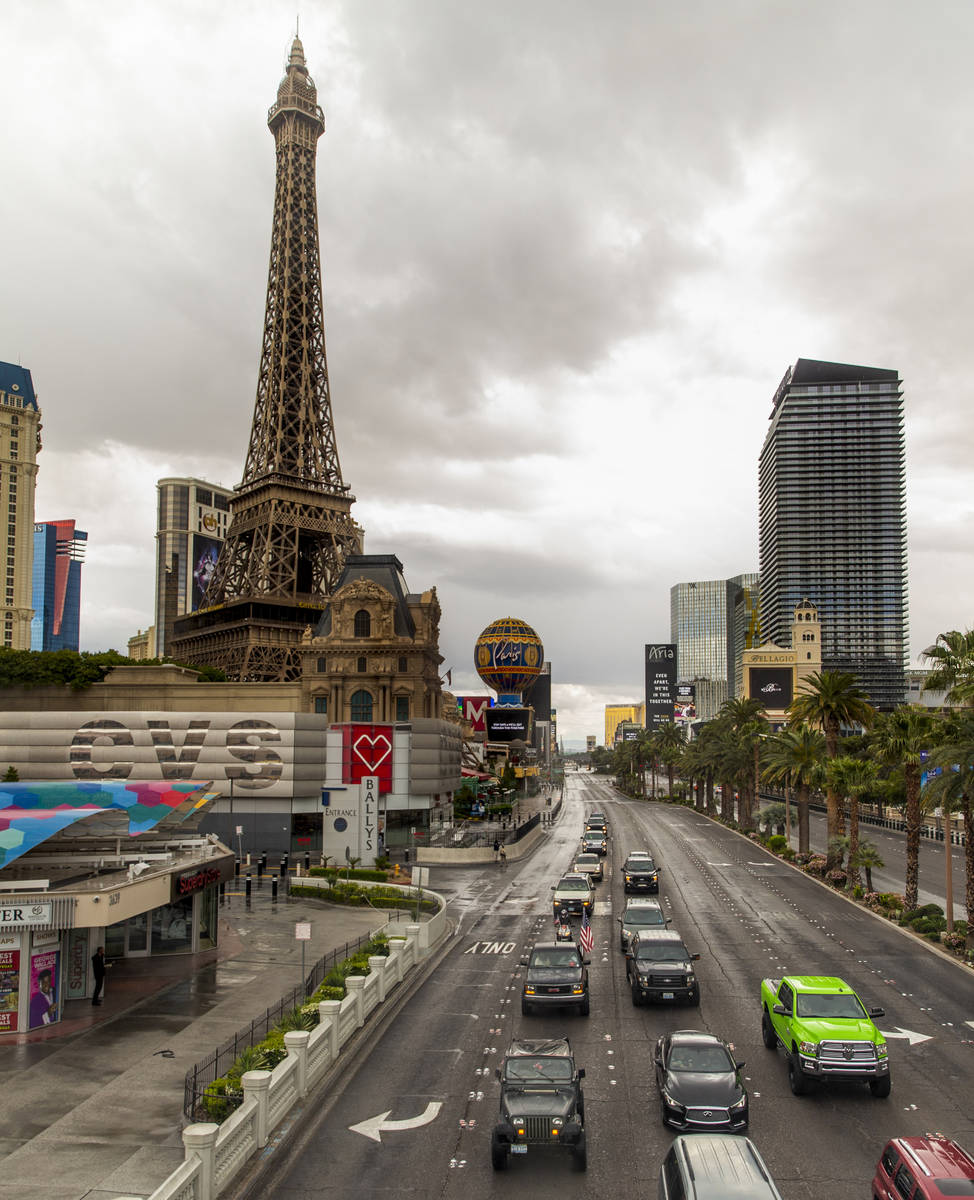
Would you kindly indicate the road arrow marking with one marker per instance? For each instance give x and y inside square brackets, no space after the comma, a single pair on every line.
[375,1126]
[912,1037]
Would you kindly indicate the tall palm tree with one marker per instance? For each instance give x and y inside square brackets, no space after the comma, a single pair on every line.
[952,656]
[869,858]
[748,720]
[852,778]
[955,754]
[669,742]
[903,738]
[796,757]
[832,699]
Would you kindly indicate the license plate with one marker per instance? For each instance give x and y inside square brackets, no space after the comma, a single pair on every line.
[519,1149]
[667,995]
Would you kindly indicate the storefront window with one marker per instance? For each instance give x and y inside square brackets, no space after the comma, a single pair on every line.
[115,941]
[207,911]
[172,927]
[306,833]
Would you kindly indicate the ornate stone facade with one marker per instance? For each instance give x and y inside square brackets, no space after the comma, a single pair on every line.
[374,655]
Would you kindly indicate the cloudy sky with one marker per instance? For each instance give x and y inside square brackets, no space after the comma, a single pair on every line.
[568,252]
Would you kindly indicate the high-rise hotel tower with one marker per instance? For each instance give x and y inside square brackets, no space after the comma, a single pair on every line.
[832,521]
[20,440]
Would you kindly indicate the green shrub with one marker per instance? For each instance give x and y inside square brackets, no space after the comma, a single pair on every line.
[777,843]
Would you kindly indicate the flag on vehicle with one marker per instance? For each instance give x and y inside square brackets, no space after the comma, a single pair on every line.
[586,938]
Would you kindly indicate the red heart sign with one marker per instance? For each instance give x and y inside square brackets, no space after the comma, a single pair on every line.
[367,750]
[372,750]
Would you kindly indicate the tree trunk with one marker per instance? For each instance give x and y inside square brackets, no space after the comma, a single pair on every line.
[869,879]
[912,814]
[969,868]
[833,823]
[712,811]
[803,838]
[853,842]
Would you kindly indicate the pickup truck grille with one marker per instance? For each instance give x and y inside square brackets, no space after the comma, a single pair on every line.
[850,1056]
[663,981]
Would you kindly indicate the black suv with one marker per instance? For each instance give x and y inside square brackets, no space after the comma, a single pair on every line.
[640,873]
[555,977]
[541,1102]
[659,967]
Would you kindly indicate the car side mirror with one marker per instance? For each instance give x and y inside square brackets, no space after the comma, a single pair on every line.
[740,1066]
[694,957]
[877,1012]
[580,1072]
[780,1010]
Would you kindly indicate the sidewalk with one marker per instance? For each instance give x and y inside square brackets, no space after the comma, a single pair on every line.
[93,1109]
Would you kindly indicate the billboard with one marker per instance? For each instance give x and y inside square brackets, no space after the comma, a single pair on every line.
[206,551]
[773,686]
[508,724]
[660,684]
[366,752]
[685,702]
[472,709]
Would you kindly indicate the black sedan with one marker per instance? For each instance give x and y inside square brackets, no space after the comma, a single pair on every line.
[700,1084]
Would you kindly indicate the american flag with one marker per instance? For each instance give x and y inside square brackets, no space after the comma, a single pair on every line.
[586,938]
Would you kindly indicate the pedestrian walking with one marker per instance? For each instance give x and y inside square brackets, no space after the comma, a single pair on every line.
[497,849]
[98,968]
[503,855]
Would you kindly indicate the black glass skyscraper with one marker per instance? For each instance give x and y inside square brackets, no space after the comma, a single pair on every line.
[832,500]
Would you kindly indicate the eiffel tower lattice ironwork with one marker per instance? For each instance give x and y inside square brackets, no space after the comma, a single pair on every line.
[291,527]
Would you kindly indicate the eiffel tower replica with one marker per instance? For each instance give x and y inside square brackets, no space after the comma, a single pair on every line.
[290,522]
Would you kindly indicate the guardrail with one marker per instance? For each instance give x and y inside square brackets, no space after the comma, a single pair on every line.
[216,1154]
[931,832]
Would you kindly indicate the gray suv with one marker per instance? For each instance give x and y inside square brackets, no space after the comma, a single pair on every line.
[640,914]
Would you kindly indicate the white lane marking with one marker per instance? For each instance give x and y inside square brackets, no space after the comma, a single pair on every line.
[375,1126]
[913,1038]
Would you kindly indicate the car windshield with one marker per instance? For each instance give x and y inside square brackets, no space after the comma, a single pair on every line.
[556,1070]
[640,864]
[707,1060]
[661,951]
[838,1006]
[643,916]
[588,858]
[555,957]
[573,885]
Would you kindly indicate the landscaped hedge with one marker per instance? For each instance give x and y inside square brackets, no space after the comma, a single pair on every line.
[350,873]
[224,1095]
[355,896]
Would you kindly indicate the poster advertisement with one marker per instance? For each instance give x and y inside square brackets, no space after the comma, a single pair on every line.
[45,1008]
[9,984]
[660,684]
[206,551]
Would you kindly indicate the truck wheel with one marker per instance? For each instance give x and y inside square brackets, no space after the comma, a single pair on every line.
[796,1080]
[525,1008]
[768,1035]
[580,1153]
[499,1154]
[636,998]
[880,1088]
[584,1007]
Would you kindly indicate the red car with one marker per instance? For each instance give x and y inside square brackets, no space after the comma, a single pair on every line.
[930,1167]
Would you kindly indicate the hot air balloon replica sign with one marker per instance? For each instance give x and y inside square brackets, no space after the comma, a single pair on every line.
[508,656]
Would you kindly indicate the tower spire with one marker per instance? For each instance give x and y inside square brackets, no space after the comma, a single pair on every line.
[291,526]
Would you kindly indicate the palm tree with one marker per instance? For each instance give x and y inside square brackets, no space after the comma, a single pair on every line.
[955,754]
[748,720]
[795,757]
[953,671]
[869,858]
[669,742]
[851,778]
[832,699]
[903,738]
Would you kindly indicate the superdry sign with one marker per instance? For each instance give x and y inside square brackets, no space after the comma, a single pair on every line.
[185,883]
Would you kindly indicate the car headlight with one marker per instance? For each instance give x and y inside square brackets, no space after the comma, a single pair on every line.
[528,990]
[882,1050]
[691,978]
[578,990]
[628,879]
[739,1105]
[674,1104]
[517,1122]
[809,1049]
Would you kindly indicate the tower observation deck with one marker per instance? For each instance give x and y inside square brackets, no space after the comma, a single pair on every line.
[291,527]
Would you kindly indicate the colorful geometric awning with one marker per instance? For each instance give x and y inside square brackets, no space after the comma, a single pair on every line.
[30,813]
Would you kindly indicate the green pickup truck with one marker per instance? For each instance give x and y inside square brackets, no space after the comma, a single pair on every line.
[826,1031]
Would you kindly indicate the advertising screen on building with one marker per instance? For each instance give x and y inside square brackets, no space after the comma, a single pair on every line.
[472,709]
[771,685]
[660,684]
[508,724]
[206,551]
[685,702]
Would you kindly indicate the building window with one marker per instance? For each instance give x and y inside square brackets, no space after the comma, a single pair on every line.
[361,707]
[361,668]
[402,708]
[322,666]
[321,705]
[403,666]
[363,623]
